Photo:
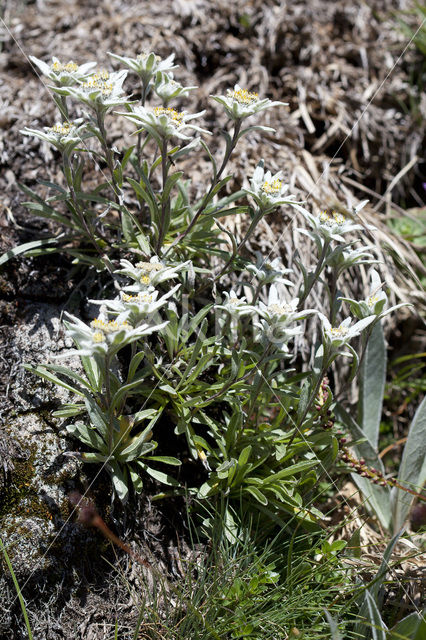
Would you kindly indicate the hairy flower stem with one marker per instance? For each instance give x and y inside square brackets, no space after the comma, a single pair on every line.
[165,204]
[80,213]
[108,407]
[108,155]
[228,385]
[139,143]
[61,103]
[250,230]
[230,147]
[365,340]
[311,400]
[315,276]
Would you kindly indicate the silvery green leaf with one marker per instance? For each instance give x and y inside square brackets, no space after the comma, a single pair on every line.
[118,480]
[412,627]
[412,471]
[377,497]
[373,378]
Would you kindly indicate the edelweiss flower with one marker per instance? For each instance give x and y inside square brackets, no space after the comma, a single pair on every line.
[167,89]
[138,307]
[63,74]
[146,65]
[164,123]
[330,225]
[266,272]
[100,91]
[149,274]
[375,302]
[105,337]
[240,103]
[279,309]
[338,336]
[268,190]
[234,305]
[64,136]
[277,316]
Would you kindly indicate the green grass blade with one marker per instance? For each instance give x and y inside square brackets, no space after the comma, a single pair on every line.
[18,590]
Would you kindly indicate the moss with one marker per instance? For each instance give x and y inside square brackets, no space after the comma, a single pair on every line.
[18,497]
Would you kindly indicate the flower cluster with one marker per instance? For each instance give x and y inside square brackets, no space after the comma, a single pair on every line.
[375,302]
[168,89]
[240,103]
[149,274]
[146,65]
[359,466]
[330,225]
[63,74]
[268,190]
[164,123]
[64,136]
[339,336]
[103,337]
[100,91]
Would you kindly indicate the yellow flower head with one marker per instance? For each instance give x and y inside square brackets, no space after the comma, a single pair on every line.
[272,188]
[280,309]
[140,297]
[175,116]
[69,67]
[62,129]
[112,326]
[330,219]
[99,80]
[148,267]
[242,96]
[339,332]
[371,300]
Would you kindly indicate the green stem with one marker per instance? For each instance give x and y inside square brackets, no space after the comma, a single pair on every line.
[139,145]
[109,158]
[316,274]
[108,407]
[250,230]
[80,213]
[165,204]
[312,397]
[216,179]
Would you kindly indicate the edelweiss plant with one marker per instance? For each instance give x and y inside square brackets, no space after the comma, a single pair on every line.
[192,348]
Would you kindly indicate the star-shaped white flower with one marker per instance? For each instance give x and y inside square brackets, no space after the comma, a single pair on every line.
[100,91]
[146,65]
[376,301]
[279,311]
[64,136]
[168,89]
[63,74]
[149,274]
[342,334]
[235,305]
[137,307]
[240,103]
[164,123]
[330,225]
[268,190]
[105,337]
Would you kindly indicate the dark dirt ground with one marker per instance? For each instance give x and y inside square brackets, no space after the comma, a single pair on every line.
[328,60]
